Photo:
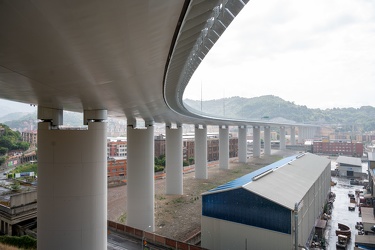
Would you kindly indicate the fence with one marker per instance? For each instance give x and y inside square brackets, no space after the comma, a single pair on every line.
[151,237]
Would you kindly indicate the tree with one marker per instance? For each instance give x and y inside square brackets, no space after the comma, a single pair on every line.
[23,145]
[2,160]
[160,161]
[3,151]
[191,160]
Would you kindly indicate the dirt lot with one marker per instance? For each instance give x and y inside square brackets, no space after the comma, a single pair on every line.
[179,216]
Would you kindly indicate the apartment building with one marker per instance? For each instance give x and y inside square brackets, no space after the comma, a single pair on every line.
[116,167]
[30,137]
[116,147]
[338,147]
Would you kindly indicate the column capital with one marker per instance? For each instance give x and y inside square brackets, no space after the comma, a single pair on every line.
[96,115]
[170,125]
[198,126]
[55,116]
[149,123]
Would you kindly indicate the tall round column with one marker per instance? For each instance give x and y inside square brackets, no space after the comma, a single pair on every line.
[300,135]
[242,144]
[224,147]
[72,187]
[174,160]
[282,138]
[140,178]
[292,135]
[267,140]
[200,152]
[256,141]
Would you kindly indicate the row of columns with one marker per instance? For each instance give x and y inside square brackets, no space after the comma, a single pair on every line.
[72,182]
[5,228]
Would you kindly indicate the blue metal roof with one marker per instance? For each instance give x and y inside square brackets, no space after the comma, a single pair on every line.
[240,182]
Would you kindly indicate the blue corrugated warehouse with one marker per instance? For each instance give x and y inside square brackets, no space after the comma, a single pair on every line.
[257,211]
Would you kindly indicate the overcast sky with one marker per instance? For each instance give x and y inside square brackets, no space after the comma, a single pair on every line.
[316,53]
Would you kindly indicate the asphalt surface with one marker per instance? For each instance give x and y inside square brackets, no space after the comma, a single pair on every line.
[121,242]
[341,213]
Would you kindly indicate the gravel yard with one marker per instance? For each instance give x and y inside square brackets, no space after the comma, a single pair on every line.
[179,216]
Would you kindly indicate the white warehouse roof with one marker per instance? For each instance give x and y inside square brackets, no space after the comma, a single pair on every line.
[349,160]
[288,184]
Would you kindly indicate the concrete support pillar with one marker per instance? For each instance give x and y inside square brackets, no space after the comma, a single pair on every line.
[242,144]
[301,138]
[174,160]
[308,133]
[267,140]
[200,152]
[140,177]
[282,138]
[10,229]
[312,133]
[72,184]
[224,147]
[256,141]
[292,135]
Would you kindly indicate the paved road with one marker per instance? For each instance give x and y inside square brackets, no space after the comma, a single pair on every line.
[341,213]
[120,242]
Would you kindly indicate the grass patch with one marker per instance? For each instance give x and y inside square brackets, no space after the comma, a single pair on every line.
[122,218]
[178,200]
[160,197]
[23,242]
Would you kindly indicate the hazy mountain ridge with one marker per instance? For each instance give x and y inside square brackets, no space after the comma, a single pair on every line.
[271,107]
[13,116]
[29,120]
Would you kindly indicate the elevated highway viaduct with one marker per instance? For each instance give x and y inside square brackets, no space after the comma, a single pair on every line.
[125,59]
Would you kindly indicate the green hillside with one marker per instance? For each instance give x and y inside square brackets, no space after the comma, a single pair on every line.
[274,108]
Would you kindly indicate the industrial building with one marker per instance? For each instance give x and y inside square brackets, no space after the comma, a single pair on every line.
[338,147]
[18,209]
[258,210]
[349,166]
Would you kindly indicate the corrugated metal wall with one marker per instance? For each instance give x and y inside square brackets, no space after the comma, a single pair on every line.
[313,201]
[244,207]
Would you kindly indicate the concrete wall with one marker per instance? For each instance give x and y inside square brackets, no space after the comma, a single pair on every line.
[313,203]
[221,234]
[152,238]
[23,199]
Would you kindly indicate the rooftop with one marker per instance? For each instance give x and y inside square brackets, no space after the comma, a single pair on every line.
[292,177]
[349,161]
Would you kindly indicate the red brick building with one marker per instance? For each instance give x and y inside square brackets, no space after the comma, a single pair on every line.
[116,167]
[188,148]
[116,147]
[348,148]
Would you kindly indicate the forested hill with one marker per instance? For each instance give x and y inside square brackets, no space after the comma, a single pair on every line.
[274,108]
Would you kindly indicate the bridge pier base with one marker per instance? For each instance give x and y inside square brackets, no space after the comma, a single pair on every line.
[140,178]
[72,184]
[200,152]
[174,160]
[242,144]
[224,147]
